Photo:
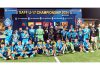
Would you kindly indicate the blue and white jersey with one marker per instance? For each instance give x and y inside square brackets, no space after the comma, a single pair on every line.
[4,49]
[68,34]
[15,37]
[74,34]
[12,48]
[32,32]
[72,29]
[29,47]
[80,35]
[86,32]
[76,44]
[8,32]
[63,32]
[59,45]
[25,36]
[48,45]
[85,44]
[19,48]
[40,45]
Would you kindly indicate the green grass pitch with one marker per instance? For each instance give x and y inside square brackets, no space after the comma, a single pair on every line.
[76,57]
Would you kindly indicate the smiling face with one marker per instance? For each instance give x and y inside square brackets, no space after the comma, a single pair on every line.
[20,29]
[99,25]
[2,45]
[67,40]
[76,40]
[9,27]
[80,29]
[30,42]
[59,41]
[86,26]
[19,43]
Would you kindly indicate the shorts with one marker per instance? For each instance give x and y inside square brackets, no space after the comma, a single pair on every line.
[49,48]
[59,49]
[94,39]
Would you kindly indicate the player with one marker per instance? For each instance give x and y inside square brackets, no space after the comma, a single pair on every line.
[74,35]
[80,36]
[25,37]
[32,33]
[69,45]
[40,47]
[20,51]
[68,35]
[40,33]
[4,51]
[12,51]
[8,34]
[59,46]
[63,32]
[29,48]
[71,28]
[76,45]
[87,46]
[49,48]
[15,37]
[86,31]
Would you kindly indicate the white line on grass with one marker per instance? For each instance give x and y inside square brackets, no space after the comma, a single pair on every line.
[57,60]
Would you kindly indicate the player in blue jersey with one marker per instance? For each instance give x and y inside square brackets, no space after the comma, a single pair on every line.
[87,46]
[86,31]
[76,45]
[59,46]
[20,50]
[68,35]
[80,35]
[49,48]
[69,46]
[63,32]
[12,51]
[29,48]
[71,28]
[4,51]
[40,47]
[74,35]
[8,34]
[32,33]
[25,38]
[15,37]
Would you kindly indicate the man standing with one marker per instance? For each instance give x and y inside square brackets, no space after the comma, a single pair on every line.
[8,34]
[32,33]
[93,35]
[40,33]
[86,31]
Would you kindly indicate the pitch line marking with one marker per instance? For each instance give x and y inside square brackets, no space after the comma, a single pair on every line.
[57,60]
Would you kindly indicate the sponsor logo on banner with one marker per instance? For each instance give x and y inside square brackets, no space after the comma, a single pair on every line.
[7,22]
